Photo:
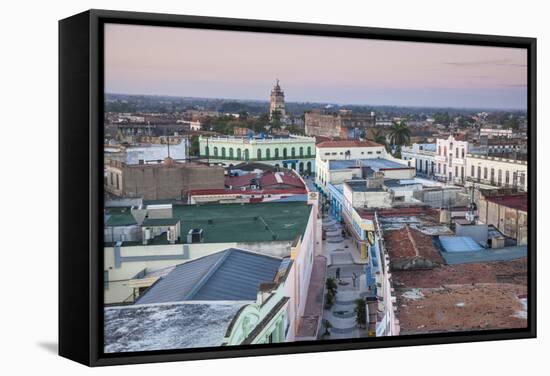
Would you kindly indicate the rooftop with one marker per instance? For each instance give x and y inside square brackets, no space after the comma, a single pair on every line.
[167,326]
[230,275]
[513,201]
[375,164]
[361,186]
[227,223]
[119,216]
[347,144]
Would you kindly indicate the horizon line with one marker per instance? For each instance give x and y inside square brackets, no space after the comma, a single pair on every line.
[331,103]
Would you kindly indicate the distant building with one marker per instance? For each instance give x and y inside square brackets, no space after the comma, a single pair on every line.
[422,157]
[242,131]
[495,132]
[507,211]
[277,102]
[293,152]
[257,185]
[450,158]
[338,161]
[160,181]
[343,124]
[497,171]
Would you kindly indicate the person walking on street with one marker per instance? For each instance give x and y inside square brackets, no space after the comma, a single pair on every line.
[354,278]
[338,274]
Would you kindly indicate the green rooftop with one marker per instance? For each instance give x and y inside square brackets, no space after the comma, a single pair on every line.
[119,217]
[227,223]
[223,223]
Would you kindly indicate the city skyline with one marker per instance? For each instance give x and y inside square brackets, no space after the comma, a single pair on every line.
[143,60]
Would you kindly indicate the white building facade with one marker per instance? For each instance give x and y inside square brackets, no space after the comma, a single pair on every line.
[497,172]
[450,159]
[422,157]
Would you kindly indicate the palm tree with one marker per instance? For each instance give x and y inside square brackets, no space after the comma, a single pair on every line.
[379,137]
[400,134]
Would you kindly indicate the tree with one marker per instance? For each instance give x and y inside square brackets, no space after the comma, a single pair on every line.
[379,137]
[399,134]
[361,312]
[194,145]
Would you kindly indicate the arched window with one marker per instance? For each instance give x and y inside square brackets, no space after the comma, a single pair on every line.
[238,153]
[308,167]
[293,152]
[246,155]
[231,153]
[309,151]
[301,151]
[268,153]
[284,152]
[499,177]
[215,151]
[259,154]
[301,168]
[207,151]
[276,152]
[223,152]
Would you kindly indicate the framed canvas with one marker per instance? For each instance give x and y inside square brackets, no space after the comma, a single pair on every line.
[234,187]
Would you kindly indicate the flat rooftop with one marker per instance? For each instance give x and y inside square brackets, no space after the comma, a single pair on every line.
[361,186]
[513,201]
[167,326]
[230,223]
[375,164]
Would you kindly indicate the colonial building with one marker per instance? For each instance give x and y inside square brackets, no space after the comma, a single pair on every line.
[277,102]
[507,211]
[338,161]
[343,124]
[496,171]
[422,157]
[293,152]
[450,158]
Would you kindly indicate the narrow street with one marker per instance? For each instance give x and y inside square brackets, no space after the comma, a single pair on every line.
[342,258]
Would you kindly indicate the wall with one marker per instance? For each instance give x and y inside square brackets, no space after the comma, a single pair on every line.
[503,165]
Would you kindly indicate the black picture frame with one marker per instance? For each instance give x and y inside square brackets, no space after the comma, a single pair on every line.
[81,185]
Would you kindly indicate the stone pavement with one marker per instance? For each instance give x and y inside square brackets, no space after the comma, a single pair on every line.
[341,254]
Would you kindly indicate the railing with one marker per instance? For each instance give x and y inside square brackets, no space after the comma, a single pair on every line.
[280,158]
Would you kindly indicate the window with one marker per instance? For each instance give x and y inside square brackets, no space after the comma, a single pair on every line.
[499,178]
[301,151]
[231,153]
[106,278]
[507,177]
[284,152]
[276,153]
[239,154]
[223,152]
[369,152]
[111,176]
[259,154]
[485,173]
[472,172]
[462,153]
[378,152]
[456,152]
[268,153]
[117,181]
[309,151]
[293,152]
[492,175]
[215,151]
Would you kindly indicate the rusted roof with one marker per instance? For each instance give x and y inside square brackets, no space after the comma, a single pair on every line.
[346,143]
[514,201]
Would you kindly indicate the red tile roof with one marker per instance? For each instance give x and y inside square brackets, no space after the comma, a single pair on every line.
[514,201]
[347,144]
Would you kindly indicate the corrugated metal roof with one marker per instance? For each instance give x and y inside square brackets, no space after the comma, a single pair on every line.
[459,244]
[232,274]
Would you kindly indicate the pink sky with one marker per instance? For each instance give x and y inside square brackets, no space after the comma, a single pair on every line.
[244,65]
